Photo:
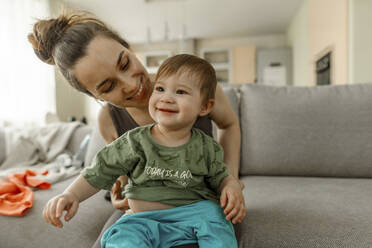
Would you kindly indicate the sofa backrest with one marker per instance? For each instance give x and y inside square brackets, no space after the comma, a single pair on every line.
[306,131]
[299,131]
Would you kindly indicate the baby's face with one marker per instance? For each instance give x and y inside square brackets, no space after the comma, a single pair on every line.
[176,101]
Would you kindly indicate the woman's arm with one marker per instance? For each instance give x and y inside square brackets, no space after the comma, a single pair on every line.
[228,131]
[105,125]
[232,199]
[108,132]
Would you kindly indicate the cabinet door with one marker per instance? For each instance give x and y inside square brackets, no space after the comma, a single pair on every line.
[154,59]
[220,59]
[244,64]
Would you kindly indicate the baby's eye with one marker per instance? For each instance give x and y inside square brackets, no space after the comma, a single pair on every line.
[159,88]
[181,92]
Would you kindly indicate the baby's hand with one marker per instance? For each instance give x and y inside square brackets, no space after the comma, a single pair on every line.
[232,200]
[53,210]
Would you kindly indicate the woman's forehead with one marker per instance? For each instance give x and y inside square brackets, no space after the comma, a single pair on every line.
[104,49]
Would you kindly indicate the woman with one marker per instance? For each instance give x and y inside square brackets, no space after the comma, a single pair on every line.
[98,62]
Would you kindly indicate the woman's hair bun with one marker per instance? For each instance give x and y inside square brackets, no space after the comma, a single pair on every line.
[45,35]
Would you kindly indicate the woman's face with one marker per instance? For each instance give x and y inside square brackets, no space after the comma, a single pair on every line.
[112,73]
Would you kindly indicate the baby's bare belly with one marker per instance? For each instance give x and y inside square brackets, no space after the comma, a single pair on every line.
[142,206]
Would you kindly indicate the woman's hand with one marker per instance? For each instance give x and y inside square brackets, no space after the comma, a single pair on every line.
[116,200]
[53,210]
[232,199]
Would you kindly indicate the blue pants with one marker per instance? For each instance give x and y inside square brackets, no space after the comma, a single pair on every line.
[202,222]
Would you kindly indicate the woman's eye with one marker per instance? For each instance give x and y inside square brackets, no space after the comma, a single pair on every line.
[181,92]
[108,88]
[125,66]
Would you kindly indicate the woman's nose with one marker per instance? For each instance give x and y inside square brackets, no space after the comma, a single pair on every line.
[128,86]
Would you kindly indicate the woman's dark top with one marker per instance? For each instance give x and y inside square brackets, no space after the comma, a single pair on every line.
[124,122]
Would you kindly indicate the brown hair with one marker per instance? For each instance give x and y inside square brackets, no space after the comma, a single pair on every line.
[199,68]
[62,41]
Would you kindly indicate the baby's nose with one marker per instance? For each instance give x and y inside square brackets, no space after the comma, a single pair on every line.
[168,98]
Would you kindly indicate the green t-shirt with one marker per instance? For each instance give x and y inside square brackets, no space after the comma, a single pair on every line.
[172,175]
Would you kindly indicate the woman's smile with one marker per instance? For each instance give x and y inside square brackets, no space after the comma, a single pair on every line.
[139,94]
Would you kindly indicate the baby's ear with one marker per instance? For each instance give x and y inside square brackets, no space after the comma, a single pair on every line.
[207,107]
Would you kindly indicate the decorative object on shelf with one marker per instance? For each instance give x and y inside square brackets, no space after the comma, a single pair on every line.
[148,35]
[166,30]
[170,30]
[182,40]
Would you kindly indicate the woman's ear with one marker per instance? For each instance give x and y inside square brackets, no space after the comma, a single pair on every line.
[207,107]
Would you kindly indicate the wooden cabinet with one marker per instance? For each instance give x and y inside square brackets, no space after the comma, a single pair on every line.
[221,62]
[244,64]
[235,65]
[153,60]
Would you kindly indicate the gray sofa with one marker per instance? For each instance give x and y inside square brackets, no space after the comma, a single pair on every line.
[306,162]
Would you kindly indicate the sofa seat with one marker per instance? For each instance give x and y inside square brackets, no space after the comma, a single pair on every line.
[32,231]
[306,212]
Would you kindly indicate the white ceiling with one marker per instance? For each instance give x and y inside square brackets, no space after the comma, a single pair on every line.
[192,18]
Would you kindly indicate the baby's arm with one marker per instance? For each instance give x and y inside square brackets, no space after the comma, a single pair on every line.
[231,195]
[68,201]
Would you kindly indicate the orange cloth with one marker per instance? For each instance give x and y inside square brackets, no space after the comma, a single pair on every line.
[16,196]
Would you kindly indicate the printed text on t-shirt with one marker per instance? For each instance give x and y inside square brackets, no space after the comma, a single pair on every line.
[171,174]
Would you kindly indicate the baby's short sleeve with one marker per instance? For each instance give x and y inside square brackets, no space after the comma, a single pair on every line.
[114,160]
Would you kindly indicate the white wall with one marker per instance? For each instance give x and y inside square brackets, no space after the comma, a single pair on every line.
[69,102]
[319,27]
[360,41]
[328,31]
[298,39]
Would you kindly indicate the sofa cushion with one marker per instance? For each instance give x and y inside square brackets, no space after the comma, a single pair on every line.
[232,95]
[306,212]
[306,131]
